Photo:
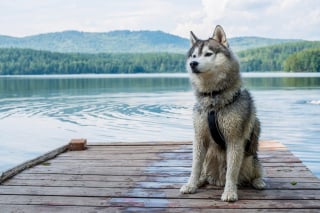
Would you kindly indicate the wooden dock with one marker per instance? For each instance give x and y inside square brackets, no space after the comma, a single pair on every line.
[146,177]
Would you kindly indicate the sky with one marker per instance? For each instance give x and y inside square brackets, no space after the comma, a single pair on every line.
[298,19]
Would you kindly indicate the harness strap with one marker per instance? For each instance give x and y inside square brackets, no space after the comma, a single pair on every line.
[215,131]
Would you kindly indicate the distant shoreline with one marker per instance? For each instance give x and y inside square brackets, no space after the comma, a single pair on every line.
[274,74]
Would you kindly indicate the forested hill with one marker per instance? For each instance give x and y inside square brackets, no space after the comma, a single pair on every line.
[122,41]
[296,56]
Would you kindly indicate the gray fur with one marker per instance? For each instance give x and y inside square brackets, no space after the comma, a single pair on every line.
[214,69]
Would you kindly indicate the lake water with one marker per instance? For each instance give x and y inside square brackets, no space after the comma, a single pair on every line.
[40,113]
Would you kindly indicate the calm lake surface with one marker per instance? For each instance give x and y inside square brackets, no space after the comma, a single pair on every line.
[40,113]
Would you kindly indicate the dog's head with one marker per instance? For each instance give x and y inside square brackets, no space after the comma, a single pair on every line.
[209,55]
[211,63]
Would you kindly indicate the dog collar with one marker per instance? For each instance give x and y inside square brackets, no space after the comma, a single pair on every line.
[210,94]
[215,93]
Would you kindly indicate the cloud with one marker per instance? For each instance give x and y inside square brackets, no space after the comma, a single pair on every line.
[266,18]
[20,17]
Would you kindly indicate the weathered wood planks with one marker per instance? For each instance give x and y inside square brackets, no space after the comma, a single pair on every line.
[146,177]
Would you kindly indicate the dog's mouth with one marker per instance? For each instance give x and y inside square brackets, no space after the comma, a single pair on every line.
[195,71]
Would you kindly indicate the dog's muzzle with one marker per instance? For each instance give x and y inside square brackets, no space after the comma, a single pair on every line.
[194,66]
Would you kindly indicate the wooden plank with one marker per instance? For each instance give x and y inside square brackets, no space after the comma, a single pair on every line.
[263,143]
[156,171]
[28,164]
[143,170]
[217,204]
[167,156]
[294,185]
[106,178]
[147,163]
[158,150]
[147,143]
[56,208]
[156,203]
[158,193]
[141,147]
[120,163]
[86,209]
[164,163]
[128,151]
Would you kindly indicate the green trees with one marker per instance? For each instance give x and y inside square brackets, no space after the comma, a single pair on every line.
[273,58]
[293,57]
[26,61]
[304,61]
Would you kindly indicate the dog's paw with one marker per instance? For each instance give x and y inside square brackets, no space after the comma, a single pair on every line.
[258,183]
[229,196]
[188,189]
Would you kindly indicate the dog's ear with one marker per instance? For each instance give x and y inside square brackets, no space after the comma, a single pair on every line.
[193,38]
[220,36]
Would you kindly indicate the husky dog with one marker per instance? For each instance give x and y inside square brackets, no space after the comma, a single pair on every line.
[224,118]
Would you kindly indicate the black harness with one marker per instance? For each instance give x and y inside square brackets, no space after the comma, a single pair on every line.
[215,132]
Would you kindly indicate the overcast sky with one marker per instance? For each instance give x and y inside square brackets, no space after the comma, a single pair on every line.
[265,18]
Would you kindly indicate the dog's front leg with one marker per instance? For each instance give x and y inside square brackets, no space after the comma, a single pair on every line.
[235,156]
[199,153]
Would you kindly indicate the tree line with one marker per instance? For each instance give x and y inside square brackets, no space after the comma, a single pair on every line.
[291,57]
[27,61]
[281,57]
[303,61]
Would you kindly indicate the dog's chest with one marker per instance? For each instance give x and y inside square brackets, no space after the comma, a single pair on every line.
[201,110]
[203,105]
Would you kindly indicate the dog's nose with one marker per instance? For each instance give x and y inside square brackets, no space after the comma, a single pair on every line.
[193,64]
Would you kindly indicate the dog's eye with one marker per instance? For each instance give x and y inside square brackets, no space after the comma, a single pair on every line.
[208,54]
[194,56]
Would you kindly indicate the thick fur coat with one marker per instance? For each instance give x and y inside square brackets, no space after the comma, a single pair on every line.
[215,77]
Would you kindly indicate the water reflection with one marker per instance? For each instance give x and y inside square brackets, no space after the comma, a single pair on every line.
[78,86]
[282,82]
[30,86]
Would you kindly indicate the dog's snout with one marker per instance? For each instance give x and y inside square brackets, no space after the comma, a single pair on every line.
[193,64]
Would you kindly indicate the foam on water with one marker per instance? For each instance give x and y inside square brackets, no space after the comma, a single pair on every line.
[316,102]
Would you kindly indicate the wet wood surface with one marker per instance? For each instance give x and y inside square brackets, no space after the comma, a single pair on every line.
[146,177]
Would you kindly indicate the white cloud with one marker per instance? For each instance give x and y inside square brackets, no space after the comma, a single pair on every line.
[267,18]
[202,21]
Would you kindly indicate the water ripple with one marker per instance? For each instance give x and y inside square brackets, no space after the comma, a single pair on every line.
[140,113]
